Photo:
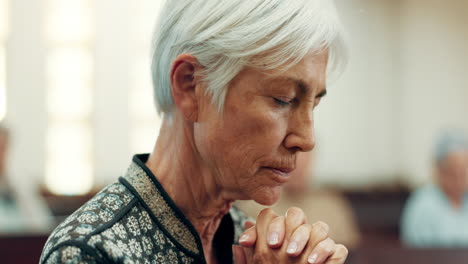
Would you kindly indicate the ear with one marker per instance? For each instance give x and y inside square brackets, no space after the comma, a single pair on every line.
[183,85]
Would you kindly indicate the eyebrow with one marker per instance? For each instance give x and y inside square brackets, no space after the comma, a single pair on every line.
[304,88]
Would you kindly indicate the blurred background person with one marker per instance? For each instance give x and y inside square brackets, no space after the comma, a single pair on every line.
[436,215]
[328,206]
[10,216]
[21,210]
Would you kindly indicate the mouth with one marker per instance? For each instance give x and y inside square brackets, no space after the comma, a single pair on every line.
[282,174]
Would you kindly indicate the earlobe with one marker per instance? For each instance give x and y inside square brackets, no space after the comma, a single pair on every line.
[183,85]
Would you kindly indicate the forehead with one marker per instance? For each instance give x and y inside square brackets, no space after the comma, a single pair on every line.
[309,72]
[456,158]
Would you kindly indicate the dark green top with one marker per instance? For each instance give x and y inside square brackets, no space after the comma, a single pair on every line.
[135,221]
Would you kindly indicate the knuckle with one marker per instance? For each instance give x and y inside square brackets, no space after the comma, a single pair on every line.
[277,224]
[294,212]
[260,256]
[307,227]
[257,258]
[321,228]
[323,247]
[342,250]
[302,232]
[279,220]
[266,212]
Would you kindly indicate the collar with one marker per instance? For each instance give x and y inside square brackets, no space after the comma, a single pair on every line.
[164,212]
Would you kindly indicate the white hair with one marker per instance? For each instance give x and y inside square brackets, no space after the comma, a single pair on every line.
[227,35]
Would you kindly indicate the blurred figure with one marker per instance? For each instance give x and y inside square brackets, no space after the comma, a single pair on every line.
[10,216]
[21,209]
[437,215]
[319,205]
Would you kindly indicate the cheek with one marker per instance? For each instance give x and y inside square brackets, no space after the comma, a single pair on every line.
[252,135]
[238,144]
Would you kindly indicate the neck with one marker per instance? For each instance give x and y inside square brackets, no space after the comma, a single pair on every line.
[456,201]
[192,186]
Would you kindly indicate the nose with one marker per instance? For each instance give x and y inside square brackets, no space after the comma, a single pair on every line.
[301,136]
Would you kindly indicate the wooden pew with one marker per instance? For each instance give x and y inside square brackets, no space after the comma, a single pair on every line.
[19,249]
[400,255]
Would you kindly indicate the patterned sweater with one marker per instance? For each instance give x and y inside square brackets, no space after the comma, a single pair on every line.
[135,221]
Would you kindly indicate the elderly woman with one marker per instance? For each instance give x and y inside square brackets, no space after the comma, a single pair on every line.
[436,215]
[236,82]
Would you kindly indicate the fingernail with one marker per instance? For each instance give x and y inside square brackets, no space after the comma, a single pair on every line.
[292,247]
[273,239]
[243,238]
[312,258]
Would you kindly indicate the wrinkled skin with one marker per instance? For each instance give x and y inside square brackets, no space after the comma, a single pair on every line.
[247,151]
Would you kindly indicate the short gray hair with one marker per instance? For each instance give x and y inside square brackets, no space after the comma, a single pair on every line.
[450,141]
[227,35]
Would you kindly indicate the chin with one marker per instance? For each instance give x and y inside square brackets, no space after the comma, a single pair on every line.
[267,196]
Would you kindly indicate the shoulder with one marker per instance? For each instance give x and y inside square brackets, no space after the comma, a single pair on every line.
[421,208]
[98,214]
[422,215]
[426,196]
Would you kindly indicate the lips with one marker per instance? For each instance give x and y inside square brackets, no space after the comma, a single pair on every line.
[282,174]
[282,170]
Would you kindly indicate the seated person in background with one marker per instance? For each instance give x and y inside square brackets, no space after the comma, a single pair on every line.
[21,209]
[437,215]
[10,216]
[318,205]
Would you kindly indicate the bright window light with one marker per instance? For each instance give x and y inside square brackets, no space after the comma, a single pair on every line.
[2,83]
[144,135]
[141,93]
[145,121]
[69,74]
[70,21]
[69,68]
[69,169]
[144,16]
[4,20]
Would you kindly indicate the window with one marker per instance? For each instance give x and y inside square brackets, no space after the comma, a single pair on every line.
[69,76]
[4,27]
[145,123]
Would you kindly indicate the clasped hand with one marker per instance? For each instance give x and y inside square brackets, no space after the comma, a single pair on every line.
[287,239]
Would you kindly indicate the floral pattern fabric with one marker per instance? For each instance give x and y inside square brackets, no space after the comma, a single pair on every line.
[134,221]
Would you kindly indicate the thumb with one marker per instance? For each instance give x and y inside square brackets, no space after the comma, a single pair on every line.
[248,224]
[239,255]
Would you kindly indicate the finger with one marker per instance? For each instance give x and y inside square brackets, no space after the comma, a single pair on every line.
[318,233]
[264,219]
[248,253]
[248,224]
[239,255]
[322,251]
[249,237]
[294,218]
[276,232]
[340,255]
[299,239]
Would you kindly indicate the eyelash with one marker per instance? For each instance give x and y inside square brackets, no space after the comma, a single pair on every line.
[281,102]
[287,103]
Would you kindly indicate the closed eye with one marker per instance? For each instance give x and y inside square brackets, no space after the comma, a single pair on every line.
[281,102]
